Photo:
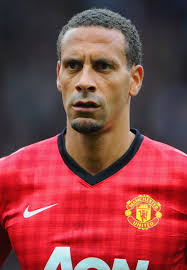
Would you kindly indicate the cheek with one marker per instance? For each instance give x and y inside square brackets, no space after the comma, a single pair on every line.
[118,96]
[66,89]
[63,83]
[123,88]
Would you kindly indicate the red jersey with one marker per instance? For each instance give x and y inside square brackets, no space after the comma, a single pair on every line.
[130,216]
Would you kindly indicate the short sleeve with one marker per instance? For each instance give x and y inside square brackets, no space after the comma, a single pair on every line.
[5,246]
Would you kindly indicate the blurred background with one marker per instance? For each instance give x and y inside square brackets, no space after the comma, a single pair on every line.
[30,105]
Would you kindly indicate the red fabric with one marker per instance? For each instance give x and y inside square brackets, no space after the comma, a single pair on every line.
[91,220]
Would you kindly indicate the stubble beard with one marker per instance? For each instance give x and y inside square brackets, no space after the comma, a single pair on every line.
[86,126]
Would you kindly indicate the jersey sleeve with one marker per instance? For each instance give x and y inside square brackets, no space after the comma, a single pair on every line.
[5,246]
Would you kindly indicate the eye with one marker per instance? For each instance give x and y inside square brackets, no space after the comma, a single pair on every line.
[102,65]
[74,65]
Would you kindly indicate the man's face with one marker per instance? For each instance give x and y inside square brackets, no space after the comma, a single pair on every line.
[94,68]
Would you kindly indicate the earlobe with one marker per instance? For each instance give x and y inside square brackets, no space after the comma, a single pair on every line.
[137,73]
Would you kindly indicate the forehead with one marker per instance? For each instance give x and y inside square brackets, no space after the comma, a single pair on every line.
[93,39]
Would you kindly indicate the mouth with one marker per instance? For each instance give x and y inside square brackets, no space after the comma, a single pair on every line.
[86,106]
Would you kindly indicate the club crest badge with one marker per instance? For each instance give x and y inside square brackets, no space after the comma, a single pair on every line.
[143,212]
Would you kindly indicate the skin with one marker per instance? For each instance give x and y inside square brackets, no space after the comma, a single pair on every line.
[93,67]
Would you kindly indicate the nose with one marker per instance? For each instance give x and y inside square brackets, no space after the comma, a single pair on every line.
[86,82]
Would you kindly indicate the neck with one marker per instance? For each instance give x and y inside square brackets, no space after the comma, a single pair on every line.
[97,152]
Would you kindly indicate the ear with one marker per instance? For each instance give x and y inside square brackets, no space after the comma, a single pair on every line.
[137,74]
[58,76]
[58,68]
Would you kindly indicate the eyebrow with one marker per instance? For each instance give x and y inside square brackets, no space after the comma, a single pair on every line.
[105,60]
[69,59]
[97,60]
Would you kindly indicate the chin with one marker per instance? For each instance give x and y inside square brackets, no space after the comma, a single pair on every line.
[85,126]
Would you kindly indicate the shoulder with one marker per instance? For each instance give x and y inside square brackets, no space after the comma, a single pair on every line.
[165,158]
[163,151]
[20,170]
[168,166]
[27,154]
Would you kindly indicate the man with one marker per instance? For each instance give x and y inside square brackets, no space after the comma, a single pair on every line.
[99,195]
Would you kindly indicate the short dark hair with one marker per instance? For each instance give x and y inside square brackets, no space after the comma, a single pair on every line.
[111,20]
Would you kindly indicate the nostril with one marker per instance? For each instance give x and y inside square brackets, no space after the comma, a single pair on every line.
[92,88]
[78,87]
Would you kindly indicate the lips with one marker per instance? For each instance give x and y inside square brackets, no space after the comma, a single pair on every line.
[87,106]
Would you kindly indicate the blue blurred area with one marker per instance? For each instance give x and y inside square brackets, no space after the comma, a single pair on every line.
[31,107]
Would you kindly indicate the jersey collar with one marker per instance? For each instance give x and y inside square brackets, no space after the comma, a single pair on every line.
[109,171]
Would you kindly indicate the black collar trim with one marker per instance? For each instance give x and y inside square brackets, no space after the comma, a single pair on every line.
[109,171]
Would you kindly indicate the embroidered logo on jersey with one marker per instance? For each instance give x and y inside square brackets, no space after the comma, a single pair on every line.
[28,214]
[143,212]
